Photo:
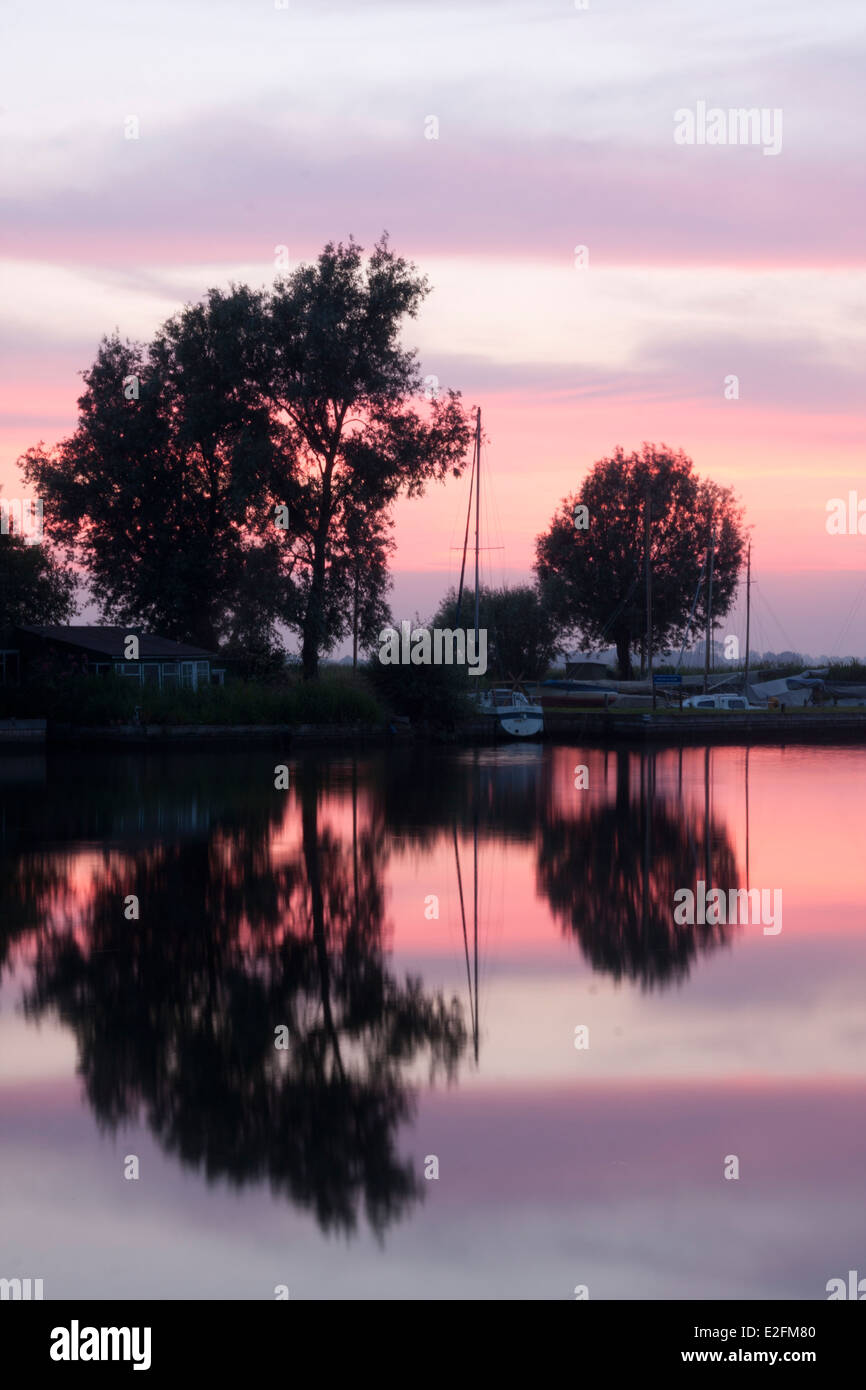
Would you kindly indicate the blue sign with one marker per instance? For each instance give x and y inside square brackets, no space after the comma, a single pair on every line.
[667,680]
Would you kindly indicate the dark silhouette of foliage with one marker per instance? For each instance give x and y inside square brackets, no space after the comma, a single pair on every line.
[592,577]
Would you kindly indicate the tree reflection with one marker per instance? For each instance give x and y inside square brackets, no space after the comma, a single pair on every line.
[175,1013]
[611,874]
[254,917]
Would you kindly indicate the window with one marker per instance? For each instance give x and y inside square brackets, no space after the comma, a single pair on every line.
[705,704]
[150,673]
[202,668]
[736,704]
[128,668]
[187,674]
[169,675]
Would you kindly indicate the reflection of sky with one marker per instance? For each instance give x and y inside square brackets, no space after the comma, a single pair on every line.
[620,1188]
[558,1166]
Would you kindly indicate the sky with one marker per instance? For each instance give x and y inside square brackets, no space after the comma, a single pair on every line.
[594,282]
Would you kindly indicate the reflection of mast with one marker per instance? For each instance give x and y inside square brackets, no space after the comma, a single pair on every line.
[473,994]
[748,880]
[708,862]
[355,836]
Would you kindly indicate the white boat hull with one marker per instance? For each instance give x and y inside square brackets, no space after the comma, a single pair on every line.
[522,725]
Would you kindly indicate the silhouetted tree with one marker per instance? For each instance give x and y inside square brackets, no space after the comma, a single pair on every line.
[34,586]
[523,636]
[345,386]
[300,398]
[591,564]
[158,493]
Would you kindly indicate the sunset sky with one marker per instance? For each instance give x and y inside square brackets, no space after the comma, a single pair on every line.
[261,126]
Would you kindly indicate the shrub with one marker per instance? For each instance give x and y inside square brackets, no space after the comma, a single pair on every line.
[437,694]
[104,700]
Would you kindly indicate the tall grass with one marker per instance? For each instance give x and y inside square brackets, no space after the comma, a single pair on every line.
[850,670]
[106,700]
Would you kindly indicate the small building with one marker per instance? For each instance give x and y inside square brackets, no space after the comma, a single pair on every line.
[28,652]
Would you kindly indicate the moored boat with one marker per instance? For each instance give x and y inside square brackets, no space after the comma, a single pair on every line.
[512,711]
[560,694]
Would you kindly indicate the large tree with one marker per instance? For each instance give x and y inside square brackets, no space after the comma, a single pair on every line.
[348,393]
[242,468]
[591,561]
[158,493]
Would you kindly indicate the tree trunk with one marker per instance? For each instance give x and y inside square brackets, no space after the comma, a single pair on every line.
[623,655]
[314,617]
[355,624]
[312,864]
[310,642]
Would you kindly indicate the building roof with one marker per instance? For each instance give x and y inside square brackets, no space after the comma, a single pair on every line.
[109,642]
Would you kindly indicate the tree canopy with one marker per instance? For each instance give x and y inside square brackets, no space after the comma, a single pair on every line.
[348,391]
[34,586]
[238,472]
[157,494]
[590,562]
[523,636]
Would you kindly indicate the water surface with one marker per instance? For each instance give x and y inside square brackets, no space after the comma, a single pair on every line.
[429,931]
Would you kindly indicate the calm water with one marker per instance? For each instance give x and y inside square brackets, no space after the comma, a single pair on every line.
[430,931]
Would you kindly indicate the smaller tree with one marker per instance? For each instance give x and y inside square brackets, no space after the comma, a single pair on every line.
[34,587]
[523,636]
[591,566]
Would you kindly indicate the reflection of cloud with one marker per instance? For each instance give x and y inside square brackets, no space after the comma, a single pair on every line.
[620,1188]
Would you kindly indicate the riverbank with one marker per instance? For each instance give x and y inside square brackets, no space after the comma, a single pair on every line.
[589,726]
[714,726]
[208,735]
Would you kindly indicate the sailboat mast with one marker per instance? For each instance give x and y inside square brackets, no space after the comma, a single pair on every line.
[711,555]
[477,513]
[649,592]
[748,616]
